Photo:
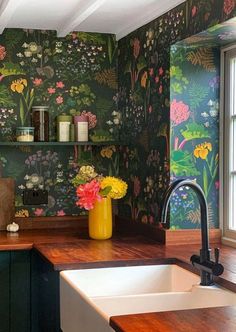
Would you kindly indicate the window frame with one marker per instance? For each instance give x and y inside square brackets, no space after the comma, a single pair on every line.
[225,136]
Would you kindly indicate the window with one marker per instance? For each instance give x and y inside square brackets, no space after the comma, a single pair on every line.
[228,144]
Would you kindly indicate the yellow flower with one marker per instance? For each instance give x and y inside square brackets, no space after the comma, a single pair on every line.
[118,187]
[87,173]
[22,213]
[202,150]
[107,152]
[18,85]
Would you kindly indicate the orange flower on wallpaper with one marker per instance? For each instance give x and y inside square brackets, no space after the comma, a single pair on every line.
[144,79]
[18,85]
[202,150]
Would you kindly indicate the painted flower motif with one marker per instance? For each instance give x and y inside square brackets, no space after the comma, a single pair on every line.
[60,85]
[3,52]
[60,213]
[51,90]
[59,100]
[92,119]
[202,150]
[144,79]
[194,11]
[179,112]
[136,47]
[38,212]
[88,194]
[37,81]
[18,85]
[22,213]
[107,152]
[228,6]
[137,186]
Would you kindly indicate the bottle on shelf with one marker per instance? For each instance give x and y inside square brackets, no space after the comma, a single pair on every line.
[81,128]
[63,127]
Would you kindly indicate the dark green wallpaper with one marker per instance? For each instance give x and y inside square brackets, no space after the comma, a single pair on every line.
[147,76]
[77,73]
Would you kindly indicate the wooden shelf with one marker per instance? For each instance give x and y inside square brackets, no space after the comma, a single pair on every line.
[59,143]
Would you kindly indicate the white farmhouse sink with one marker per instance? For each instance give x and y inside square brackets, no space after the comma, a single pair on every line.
[90,297]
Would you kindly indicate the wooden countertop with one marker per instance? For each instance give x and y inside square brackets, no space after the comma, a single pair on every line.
[70,249]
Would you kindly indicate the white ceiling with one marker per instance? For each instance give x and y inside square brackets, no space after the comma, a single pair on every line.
[109,16]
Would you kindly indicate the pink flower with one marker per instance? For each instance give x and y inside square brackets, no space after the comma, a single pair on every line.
[60,213]
[179,112]
[217,185]
[194,11]
[137,186]
[161,71]
[92,119]
[150,109]
[51,90]
[88,194]
[3,52]
[157,79]
[60,85]
[151,71]
[136,49]
[37,81]
[38,212]
[59,100]
[160,89]
[228,6]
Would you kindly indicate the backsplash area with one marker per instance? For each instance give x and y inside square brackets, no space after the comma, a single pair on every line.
[148,74]
[77,73]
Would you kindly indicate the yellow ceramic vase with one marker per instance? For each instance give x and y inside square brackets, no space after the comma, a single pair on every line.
[100,220]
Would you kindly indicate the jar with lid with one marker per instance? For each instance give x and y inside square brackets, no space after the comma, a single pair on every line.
[63,127]
[40,121]
[25,134]
[81,128]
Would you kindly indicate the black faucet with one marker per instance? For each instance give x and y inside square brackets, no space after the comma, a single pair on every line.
[207,268]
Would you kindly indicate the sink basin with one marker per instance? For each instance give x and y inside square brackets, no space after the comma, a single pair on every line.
[90,297]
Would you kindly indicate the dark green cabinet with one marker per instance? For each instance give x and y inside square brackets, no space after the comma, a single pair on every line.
[4,291]
[15,291]
[29,293]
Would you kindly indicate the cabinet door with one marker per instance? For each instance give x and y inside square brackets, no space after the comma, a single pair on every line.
[4,291]
[20,291]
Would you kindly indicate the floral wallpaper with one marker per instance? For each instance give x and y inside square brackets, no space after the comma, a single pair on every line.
[169,104]
[75,74]
[194,120]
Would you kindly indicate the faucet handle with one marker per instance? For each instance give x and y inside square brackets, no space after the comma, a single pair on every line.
[217,255]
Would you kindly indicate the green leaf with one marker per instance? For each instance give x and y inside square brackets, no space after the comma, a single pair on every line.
[5,97]
[104,192]
[182,164]
[197,93]
[205,181]
[195,131]
[22,113]
[10,69]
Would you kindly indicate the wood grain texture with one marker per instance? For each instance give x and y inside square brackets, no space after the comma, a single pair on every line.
[7,199]
[197,320]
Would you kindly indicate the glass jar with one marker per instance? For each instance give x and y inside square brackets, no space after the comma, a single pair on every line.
[63,127]
[25,134]
[40,121]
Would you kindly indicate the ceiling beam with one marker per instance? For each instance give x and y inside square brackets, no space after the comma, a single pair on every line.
[80,14]
[7,9]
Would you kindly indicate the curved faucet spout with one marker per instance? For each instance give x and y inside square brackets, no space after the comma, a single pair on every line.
[202,201]
[203,262]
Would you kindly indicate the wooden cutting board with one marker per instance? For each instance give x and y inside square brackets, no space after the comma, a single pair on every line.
[7,201]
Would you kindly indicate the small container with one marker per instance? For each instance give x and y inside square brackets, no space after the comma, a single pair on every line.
[81,128]
[25,134]
[63,127]
[40,121]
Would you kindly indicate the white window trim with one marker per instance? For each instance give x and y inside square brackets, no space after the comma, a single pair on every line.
[228,236]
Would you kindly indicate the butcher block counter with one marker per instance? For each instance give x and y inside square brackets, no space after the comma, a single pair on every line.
[69,249]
